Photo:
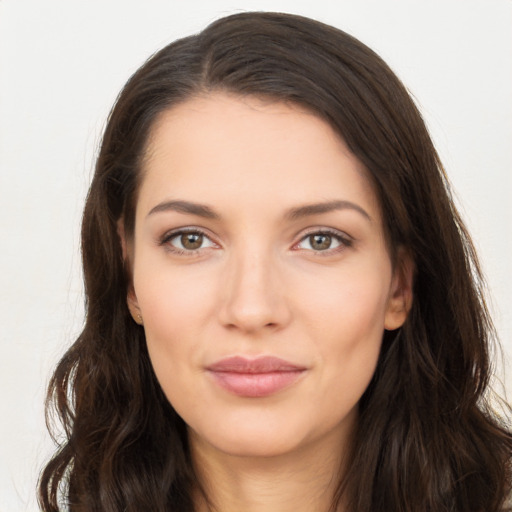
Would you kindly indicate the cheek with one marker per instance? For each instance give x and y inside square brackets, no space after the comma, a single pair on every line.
[173,299]
[351,305]
[176,308]
[345,319]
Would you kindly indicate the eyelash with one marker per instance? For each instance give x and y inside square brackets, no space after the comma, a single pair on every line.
[343,240]
[168,237]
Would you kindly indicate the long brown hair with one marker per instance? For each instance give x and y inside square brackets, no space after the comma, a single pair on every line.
[427,439]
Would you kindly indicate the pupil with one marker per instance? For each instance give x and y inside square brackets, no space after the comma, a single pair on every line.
[191,240]
[320,242]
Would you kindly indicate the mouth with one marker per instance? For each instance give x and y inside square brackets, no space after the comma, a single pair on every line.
[255,378]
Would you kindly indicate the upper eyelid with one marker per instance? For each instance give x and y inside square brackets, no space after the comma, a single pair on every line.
[323,230]
[171,233]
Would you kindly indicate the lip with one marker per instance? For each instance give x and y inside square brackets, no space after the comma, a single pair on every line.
[255,378]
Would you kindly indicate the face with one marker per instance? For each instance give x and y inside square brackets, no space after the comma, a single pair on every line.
[261,273]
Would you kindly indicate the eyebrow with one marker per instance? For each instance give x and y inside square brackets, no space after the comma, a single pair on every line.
[189,207]
[202,210]
[325,207]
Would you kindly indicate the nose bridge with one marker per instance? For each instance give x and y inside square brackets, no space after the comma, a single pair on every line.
[253,292]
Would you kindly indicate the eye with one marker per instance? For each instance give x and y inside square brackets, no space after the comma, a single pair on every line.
[187,241]
[321,241]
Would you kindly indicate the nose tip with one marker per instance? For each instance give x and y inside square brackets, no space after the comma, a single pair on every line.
[249,320]
[253,298]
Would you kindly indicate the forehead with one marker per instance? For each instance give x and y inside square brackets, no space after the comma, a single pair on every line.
[266,153]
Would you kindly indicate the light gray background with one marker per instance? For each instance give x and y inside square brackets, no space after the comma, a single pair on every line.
[62,63]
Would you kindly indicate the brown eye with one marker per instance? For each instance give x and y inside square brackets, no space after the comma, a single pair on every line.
[320,241]
[191,241]
[183,242]
[324,241]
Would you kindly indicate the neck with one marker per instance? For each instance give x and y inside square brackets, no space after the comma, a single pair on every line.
[299,482]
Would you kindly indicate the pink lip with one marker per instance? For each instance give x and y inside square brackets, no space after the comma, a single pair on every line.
[255,378]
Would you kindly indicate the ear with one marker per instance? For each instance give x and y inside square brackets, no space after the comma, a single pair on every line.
[401,294]
[133,306]
[131,297]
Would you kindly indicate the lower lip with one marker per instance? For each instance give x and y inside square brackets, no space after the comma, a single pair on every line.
[256,385]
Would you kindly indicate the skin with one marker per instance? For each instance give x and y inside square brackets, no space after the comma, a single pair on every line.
[257,285]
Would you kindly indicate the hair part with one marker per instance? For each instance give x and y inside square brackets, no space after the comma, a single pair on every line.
[427,440]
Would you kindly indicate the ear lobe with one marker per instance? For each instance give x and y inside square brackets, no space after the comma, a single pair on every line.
[133,306]
[401,294]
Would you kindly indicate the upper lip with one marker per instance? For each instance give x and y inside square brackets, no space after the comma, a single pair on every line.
[264,364]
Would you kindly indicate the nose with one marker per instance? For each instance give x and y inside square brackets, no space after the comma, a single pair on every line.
[254,294]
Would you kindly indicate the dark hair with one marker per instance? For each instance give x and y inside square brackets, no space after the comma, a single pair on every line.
[427,438]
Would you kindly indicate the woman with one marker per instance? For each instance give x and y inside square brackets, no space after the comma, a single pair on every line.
[284,310]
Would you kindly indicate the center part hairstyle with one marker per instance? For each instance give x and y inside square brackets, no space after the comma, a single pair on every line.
[427,439]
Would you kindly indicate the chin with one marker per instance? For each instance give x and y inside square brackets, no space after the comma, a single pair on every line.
[267,435]
[250,443]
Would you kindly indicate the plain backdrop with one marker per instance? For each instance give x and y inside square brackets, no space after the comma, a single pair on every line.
[62,63]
